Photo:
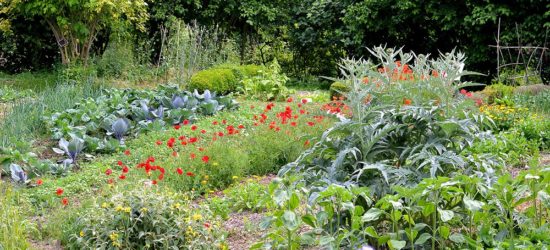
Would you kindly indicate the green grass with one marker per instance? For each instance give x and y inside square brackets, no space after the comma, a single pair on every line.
[13,226]
[36,81]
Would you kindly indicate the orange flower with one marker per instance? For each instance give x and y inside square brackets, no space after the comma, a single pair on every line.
[407,101]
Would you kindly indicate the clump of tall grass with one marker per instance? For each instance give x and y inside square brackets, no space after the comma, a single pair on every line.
[21,121]
[13,226]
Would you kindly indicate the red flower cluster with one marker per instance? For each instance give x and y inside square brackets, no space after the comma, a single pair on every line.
[337,106]
[288,118]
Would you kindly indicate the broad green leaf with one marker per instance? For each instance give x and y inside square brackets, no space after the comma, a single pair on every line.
[457,238]
[446,215]
[309,219]
[294,201]
[290,220]
[370,231]
[444,232]
[422,239]
[472,205]
[397,244]
[372,215]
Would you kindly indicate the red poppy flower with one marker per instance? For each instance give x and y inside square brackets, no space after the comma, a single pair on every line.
[302,111]
[207,225]
[479,102]
[220,134]
[194,127]
[293,124]
[185,122]
[192,156]
[407,101]
[205,159]
[162,170]
[122,177]
[299,105]
[159,143]
[224,122]
[180,171]
[310,124]
[215,123]
[193,139]
[127,152]
[125,169]
[65,201]
[108,171]
[174,153]
[59,191]
[190,174]
[241,126]
[39,182]
[306,143]
[289,99]
[463,91]
[151,159]
[119,163]
[154,182]
[201,149]
[110,181]
[203,131]
[161,177]
[304,101]
[177,126]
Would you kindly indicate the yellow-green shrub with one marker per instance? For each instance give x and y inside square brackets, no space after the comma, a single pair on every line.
[497,91]
[223,78]
[337,88]
[219,80]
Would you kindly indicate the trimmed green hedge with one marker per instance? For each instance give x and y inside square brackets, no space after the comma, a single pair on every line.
[219,80]
[224,78]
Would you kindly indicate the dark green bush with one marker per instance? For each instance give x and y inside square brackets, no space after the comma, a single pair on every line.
[337,88]
[219,80]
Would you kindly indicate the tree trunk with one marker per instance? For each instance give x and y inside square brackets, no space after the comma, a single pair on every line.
[59,37]
[243,42]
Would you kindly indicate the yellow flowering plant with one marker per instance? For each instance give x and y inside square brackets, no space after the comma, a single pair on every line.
[146,219]
[504,116]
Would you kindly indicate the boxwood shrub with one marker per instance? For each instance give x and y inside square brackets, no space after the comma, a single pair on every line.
[219,80]
[224,78]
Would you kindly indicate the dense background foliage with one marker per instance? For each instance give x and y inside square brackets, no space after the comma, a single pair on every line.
[306,37]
